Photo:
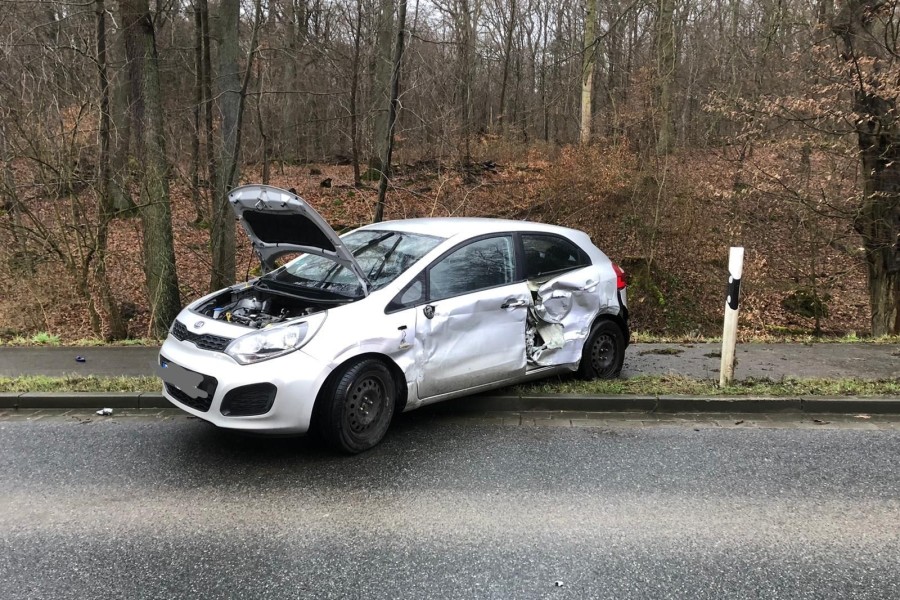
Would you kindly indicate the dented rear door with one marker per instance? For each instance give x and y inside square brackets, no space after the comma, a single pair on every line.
[560,321]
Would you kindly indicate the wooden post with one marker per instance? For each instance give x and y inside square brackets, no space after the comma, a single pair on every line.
[729,333]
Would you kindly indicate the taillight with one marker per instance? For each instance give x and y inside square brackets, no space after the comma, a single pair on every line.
[621,282]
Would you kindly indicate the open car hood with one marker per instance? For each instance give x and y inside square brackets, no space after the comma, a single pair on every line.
[280,222]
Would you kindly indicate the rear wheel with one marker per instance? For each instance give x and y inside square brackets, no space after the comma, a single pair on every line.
[361,406]
[604,352]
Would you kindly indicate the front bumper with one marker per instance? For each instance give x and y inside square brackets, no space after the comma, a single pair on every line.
[297,378]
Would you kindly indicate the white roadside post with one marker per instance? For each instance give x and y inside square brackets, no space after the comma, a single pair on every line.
[729,334]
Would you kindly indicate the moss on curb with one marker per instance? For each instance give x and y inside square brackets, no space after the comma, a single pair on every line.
[678,385]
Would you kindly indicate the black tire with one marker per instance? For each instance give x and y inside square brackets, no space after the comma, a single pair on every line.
[604,352]
[360,407]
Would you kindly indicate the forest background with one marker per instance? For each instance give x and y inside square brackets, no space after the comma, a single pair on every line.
[669,130]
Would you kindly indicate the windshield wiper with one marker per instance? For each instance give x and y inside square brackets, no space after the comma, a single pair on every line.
[372,242]
[384,260]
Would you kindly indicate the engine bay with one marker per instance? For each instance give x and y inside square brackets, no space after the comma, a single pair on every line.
[256,308]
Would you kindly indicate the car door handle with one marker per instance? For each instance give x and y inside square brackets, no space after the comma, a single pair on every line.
[513,303]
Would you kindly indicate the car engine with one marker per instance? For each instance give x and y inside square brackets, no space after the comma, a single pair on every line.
[256,308]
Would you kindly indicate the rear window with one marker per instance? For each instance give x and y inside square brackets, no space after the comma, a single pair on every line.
[551,254]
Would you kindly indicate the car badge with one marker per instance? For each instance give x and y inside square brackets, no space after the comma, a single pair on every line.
[198,324]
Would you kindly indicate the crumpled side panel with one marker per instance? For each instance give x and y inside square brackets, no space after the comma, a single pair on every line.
[566,307]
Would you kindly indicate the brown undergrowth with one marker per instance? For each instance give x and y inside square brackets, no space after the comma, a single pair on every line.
[668,223]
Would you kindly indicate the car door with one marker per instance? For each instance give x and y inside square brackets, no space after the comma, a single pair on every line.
[472,328]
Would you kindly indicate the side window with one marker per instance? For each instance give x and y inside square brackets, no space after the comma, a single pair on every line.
[547,254]
[413,294]
[480,265]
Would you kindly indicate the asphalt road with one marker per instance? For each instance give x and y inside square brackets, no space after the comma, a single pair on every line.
[168,507]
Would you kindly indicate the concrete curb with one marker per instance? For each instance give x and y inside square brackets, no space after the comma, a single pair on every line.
[85,400]
[561,402]
[676,404]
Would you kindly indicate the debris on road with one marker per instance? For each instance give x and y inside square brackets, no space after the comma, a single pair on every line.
[105,412]
[80,359]
[559,584]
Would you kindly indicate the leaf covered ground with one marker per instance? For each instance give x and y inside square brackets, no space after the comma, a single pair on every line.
[670,232]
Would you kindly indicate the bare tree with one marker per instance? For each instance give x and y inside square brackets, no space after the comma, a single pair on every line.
[354,94]
[665,75]
[868,31]
[228,84]
[117,329]
[510,26]
[147,119]
[196,198]
[231,100]
[381,86]
[392,112]
[588,60]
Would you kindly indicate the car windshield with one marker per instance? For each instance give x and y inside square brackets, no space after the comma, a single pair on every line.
[382,256]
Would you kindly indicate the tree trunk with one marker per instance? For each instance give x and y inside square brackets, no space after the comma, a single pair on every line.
[196,196]
[354,95]
[296,16]
[116,326]
[208,104]
[507,52]
[156,215]
[228,88]
[665,75]
[466,59]
[10,202]
[878,132]
[261,127]
[382,86]
[121,149]
[395,94]
[545,105]
[878,222]
[587,71]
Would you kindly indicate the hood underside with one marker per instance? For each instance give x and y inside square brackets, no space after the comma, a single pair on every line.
[279,222]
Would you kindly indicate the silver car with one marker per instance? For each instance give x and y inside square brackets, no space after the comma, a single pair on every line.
[387,318]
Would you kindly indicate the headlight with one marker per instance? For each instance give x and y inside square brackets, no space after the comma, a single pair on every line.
[268,343]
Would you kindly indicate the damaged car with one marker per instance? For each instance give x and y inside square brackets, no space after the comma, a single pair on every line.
[352,329]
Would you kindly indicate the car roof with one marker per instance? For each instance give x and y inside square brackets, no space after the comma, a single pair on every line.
[448,227]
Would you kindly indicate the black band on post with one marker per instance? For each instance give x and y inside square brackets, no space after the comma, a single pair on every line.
[734,292]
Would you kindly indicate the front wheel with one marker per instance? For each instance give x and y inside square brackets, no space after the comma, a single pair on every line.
[361,407]
[604,352]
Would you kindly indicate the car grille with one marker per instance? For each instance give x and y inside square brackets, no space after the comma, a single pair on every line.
[208,385]
[204,341]
[248,400]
